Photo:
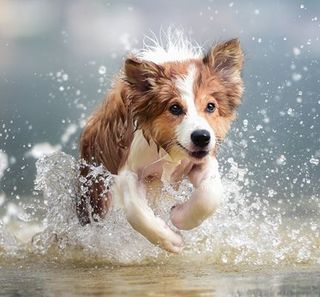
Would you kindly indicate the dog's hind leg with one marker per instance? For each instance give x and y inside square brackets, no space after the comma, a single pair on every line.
[94,202]
[140,216]
[94,207]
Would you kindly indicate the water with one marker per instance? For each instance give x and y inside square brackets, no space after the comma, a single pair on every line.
[253,246]
[264,241]
[247,233]
[176,279]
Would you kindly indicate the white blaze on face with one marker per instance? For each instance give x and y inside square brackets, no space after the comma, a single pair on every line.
[192,120]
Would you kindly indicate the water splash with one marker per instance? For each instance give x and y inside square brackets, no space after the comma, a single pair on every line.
[58,178]
[246,232]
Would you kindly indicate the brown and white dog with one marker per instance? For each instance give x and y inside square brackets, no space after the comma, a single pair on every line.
[163,119]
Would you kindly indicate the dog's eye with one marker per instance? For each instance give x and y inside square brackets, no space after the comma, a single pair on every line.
[210,107]
[176,109]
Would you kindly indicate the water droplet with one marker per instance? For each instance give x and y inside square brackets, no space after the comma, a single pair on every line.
[314,161]
[290,112]
[296,76]
[296,51]
[259,127]
[281,160]
[102,70]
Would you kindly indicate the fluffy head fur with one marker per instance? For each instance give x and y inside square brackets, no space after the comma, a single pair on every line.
[169,47]
[190,80]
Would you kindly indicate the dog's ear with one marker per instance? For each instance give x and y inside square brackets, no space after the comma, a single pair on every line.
[226,60]
[141,74]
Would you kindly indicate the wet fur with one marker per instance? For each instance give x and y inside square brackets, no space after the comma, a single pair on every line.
[139,100]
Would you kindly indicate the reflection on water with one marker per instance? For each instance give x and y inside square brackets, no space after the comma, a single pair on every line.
[164,280]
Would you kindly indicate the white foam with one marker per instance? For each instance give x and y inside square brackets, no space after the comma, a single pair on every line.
[43,149]
[58,178]
[172,45]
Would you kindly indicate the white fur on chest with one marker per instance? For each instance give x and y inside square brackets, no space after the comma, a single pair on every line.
[147,161]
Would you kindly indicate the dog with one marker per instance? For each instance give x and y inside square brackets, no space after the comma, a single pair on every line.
[163,119]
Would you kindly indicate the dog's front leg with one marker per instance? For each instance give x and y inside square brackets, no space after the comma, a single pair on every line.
[140,216]
[205,198]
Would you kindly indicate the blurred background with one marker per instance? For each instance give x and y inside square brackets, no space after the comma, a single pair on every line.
[58,58]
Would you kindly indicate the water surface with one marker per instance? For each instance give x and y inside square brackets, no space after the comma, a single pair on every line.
[176,279]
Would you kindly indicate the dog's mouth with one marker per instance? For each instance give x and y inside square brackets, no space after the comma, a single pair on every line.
[199,154]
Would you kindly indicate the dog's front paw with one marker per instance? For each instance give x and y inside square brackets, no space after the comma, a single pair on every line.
[172,248]
[203,171]
[173,243]
[203,203]
[140,215]
[154,229]
[177,217]
[167,239]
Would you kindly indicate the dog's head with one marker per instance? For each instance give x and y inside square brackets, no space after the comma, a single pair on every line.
[187,106]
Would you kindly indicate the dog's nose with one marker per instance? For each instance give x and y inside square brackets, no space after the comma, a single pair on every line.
[200,138]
